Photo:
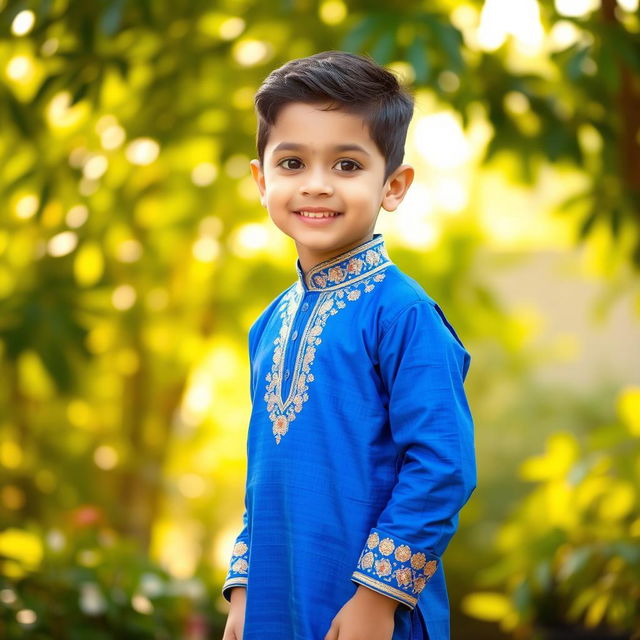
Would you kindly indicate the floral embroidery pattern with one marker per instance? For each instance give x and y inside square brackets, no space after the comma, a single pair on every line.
[239,560]
[383,567]
[238,566]
[394,568]
[403,553]
[367,560]
[353,264]
[386,547]
[373,540]
[283,412]
[281,418]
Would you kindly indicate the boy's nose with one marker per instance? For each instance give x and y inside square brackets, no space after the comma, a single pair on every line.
[316,183]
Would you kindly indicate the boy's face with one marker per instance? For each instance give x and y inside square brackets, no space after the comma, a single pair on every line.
[325,162]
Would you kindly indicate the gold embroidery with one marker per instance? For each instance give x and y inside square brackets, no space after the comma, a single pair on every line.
[367,560]
[331,271]
[430,568]
[240,566]
[383,567]
[403,553]
[353,295]
[280,426]
[385,588]
[387,547]
[419,584]
[283,413]
[386,560]
[231,582]
[418,560]
[372,257]
[355,265]
[403,577]
[337,274]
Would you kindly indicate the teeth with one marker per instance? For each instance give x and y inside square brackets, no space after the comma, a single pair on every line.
[317,214]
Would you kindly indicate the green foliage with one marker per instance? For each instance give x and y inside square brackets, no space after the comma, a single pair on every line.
[165,53]
[88,584]
[569,554]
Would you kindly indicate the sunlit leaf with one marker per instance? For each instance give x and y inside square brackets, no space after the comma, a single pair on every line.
[21,545]
[629,409]
[489,606]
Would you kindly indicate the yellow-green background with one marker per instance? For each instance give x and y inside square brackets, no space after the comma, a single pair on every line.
[134,256]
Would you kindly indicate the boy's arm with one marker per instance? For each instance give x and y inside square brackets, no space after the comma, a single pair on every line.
[423,366]
[239,563]
[237,576]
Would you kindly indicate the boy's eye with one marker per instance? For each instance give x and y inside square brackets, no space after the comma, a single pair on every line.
[295,161]
[348,165]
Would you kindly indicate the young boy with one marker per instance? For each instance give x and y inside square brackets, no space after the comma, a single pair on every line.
[360,445]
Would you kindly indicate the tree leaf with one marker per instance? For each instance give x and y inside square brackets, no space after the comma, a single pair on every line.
[45,190]
[80,93]
[19,113]
[615,222]
[48,83]
[361,32]
[383,49]
[588,222]
[45,8]
[451,40]
[20,180]
[112,17]
[418,56]
[574,65]
[608,67]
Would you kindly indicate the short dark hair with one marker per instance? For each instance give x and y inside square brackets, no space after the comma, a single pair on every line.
[348,81]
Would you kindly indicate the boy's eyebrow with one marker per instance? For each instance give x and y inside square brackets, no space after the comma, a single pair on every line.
[294,146]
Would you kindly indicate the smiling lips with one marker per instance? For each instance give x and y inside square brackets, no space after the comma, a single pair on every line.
[317,212]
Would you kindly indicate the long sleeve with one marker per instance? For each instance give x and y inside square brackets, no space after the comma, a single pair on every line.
[237,575]
[423,365]
[239,563]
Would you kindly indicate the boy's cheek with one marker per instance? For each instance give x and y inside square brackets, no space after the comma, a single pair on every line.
[274,193]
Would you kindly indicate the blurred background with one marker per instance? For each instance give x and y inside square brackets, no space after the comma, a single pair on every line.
[135,255]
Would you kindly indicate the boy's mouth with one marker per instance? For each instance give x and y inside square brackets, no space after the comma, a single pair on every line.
[326,213]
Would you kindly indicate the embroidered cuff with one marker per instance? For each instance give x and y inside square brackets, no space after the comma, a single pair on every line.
[391,567]
[238,569]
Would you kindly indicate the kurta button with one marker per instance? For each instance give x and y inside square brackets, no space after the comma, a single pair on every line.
[305,306]
[286,374]
[294,335]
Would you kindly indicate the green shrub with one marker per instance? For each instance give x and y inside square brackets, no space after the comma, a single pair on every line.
[95,586]
[570,553]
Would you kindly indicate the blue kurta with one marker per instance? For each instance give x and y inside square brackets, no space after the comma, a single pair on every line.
[360,451]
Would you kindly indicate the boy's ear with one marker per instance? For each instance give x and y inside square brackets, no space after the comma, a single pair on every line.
[258,176]
[396,187]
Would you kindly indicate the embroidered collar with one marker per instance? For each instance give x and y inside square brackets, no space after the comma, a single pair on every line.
[347,267]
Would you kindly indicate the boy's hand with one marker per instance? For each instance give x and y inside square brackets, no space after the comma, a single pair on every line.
[234,628]
[368,615]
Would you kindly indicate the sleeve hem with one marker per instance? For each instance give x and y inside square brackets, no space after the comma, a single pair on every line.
[232,582]
[384,589]
[394,567]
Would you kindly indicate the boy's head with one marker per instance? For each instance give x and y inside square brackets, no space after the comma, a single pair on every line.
[331,133]
[352,83]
